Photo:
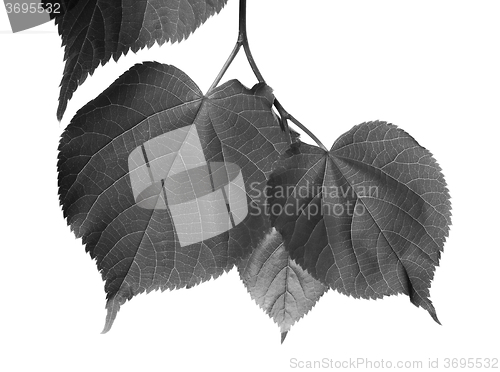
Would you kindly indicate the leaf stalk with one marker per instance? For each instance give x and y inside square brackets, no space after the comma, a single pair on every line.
[229,60]
[243,42]
[286,116]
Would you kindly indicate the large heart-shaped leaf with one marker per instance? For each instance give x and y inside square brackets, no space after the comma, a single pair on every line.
[278,285]
[368,218]
[165,185]
[93,31]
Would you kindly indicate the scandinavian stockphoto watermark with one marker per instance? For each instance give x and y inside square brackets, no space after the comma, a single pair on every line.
[24,15]
[205,198]
[311,200]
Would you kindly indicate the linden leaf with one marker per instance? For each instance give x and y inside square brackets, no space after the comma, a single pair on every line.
[165,185]
[369,217]
[277,284]
[93,31]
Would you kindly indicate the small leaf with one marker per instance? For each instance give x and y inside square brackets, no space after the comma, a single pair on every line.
[277,284]
[368,218]
[165,185]
[93,31]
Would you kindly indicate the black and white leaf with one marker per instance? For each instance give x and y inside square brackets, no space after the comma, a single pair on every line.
[147,226]
[368,218]
[284,290]
[93,31]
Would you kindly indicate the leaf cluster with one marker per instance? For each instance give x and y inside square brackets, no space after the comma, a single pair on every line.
[368,218]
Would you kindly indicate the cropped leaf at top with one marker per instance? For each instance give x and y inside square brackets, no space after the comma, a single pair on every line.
[368,218]
[277,284]
[93,31]
[164,185]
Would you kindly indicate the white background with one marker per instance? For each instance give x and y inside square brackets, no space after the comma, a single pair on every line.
[431,67]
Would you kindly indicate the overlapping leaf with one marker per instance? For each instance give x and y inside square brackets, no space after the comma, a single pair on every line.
[277,284]
[138,248]
[93,31]
[368,218]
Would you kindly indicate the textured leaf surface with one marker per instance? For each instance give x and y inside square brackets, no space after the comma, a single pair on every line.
[136,240]
[368,218]
[277,284]
[93,31]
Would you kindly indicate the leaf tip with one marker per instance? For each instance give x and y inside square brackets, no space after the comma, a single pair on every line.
[283,336]
[434,316]
[113,306]
[60,110]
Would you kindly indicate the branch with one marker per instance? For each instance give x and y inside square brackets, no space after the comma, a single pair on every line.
[285,116]
[243,42]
